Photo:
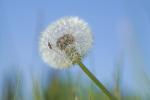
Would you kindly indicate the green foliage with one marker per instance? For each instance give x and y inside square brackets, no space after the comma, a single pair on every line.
[58,88]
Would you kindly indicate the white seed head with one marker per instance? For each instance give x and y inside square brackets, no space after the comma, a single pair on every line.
[65,41]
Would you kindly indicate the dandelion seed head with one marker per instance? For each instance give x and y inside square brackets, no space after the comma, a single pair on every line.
[65,41]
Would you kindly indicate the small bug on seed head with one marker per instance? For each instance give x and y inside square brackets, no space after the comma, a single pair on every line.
[49,45]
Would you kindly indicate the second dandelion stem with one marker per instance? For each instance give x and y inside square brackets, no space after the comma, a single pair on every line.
[96,81]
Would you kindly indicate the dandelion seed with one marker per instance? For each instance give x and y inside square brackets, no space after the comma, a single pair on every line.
[65,41]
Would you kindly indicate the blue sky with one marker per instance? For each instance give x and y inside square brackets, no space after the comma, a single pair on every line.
[116,25]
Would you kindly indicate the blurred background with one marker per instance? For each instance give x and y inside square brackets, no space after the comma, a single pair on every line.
[118,58]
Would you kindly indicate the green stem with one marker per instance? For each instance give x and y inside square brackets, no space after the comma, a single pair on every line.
[96,81]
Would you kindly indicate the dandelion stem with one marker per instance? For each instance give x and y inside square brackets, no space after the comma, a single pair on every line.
[96,81]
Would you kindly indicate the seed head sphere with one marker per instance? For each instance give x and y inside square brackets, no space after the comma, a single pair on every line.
[65,42]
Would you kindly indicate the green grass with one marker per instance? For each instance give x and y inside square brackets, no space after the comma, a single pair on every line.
[58,88]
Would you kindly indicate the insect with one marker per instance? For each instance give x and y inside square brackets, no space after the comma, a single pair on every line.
[49,45]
